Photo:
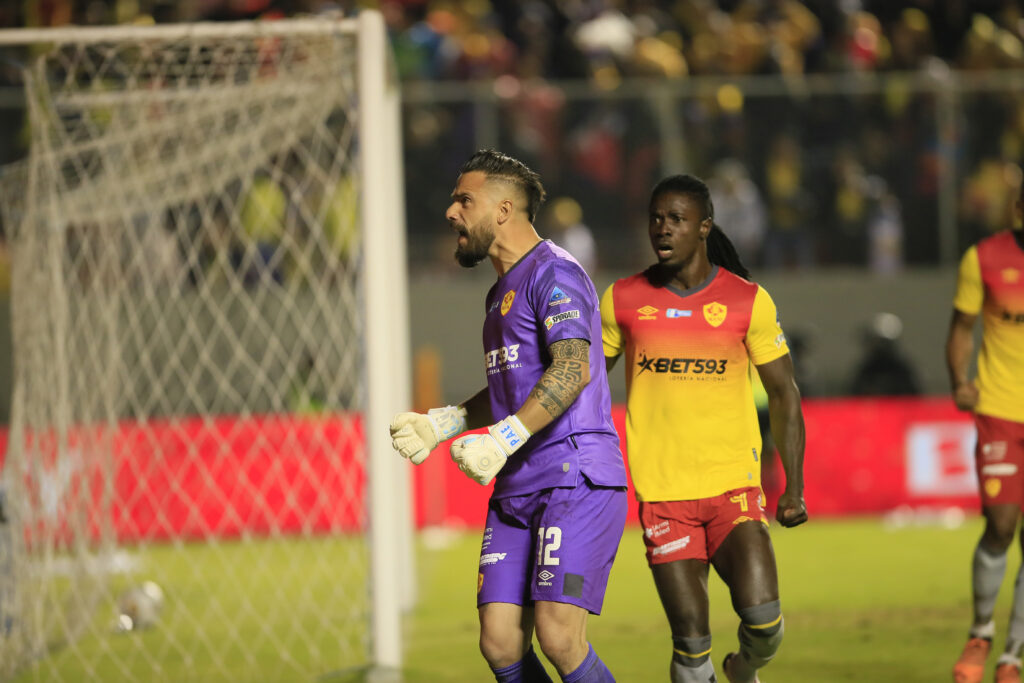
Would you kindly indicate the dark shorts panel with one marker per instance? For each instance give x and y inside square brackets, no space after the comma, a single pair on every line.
[556,545]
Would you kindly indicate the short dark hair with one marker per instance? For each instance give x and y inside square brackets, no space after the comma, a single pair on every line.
[502,167]
[686,184]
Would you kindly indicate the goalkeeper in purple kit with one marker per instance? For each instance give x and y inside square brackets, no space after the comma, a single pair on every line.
[558,508]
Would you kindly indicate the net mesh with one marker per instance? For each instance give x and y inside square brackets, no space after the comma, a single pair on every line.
[185,461]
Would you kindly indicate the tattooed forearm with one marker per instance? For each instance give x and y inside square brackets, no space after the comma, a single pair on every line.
[570,349]
[565,378]
[559,386]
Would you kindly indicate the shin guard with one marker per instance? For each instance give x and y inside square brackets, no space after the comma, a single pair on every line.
[760,633]
[691,660]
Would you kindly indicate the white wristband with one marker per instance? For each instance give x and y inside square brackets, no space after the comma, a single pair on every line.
[448,421]
[510,434]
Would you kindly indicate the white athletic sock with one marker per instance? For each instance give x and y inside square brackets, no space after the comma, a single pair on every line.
[1015,634]
[983,630]
[986,578]
[1007,658]
[692,674]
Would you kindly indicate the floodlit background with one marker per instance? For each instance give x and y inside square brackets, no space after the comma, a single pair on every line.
[854,149]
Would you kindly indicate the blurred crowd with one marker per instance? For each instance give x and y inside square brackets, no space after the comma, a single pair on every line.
[607,39]
[830,132]
[611,39]
[798,180]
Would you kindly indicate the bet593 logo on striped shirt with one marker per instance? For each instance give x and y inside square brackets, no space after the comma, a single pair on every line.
[682,366]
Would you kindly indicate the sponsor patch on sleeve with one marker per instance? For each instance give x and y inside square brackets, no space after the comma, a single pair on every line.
[553,320]
[780,340]
[558,297]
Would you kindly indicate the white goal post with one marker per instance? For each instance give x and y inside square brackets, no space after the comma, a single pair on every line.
[210,328]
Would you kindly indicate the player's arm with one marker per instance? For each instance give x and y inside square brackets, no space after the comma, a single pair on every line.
[481,456]
[959,350]
[787,425]
[611,333]
[967,304]
[559,386]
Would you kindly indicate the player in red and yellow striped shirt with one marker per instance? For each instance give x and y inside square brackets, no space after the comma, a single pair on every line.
[991,285]
[689,328]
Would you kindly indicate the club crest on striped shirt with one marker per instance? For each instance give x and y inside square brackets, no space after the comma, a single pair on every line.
[715,313]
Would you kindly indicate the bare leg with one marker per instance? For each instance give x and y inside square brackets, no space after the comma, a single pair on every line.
[746,562]
[562,634]
[506,631]
[683,589]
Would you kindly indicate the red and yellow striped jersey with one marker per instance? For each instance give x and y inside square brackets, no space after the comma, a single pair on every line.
[691,426]
[991,282]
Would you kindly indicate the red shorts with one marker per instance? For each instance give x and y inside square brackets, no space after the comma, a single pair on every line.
[999,460]
[694,529]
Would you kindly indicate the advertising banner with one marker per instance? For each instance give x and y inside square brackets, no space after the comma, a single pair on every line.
[222,477]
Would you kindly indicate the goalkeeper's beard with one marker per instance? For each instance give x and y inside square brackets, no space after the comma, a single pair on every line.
[478,244]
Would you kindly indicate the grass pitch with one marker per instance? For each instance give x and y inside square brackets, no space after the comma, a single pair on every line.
[863,601]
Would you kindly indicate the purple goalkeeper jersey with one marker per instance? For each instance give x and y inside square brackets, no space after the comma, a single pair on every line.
[544,298]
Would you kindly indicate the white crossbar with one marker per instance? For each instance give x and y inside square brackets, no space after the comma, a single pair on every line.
[165,32]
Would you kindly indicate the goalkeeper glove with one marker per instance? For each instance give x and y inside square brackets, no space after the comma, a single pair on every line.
[415,435]
[481,456]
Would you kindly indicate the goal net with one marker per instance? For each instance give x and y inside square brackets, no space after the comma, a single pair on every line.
[208,344]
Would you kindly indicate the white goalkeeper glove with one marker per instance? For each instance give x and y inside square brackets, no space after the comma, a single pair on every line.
[415,435]
[481,456]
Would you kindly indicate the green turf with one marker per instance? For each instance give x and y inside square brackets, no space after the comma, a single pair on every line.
[862,603]
[230,611]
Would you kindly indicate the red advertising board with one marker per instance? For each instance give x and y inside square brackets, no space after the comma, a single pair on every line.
[198,478]
[874,455]
[265,475]
[863,456]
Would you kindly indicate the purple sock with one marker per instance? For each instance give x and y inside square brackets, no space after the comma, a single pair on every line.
[533,670]
[592,670]
[526,670]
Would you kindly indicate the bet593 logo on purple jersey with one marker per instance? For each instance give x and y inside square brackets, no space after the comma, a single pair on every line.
[502,358]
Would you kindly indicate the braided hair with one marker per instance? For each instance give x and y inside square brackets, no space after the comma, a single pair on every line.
[722,252]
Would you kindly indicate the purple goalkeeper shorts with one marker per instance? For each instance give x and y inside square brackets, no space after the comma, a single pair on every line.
[555,544]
